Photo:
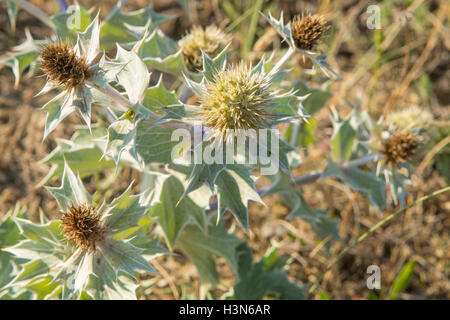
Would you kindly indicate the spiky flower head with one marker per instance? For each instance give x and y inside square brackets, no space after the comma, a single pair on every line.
[237,99]
[307,30]
[101,257]
[410,118]
[63,66]
[211,40]
[83,226]
[400,146]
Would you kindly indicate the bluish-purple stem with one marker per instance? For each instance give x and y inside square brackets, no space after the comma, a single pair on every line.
[63,5]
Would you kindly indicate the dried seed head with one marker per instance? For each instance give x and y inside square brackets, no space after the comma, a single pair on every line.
[236,100]
[307,30]
[82,225]
[410,118]
[400,146]
[62,66]
[211,40]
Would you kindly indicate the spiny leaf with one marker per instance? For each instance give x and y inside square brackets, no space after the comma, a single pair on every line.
[264,278]
[133,77]
[67,24]
[201,248]
[83,153]
[343,140]
[158,96]
[235,189]
[57,110]
[173,211]
[118,28]
[359,180]
[71,191]
[161,53]
[22,56]
[126,212]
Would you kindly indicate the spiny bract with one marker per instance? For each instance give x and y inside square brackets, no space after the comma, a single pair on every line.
[307,30]
[237,99]
[82,225]
[211,40]
[62,66]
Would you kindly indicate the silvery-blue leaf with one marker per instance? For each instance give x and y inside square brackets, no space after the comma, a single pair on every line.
[71,191]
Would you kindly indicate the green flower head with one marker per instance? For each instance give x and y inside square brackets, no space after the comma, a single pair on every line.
[237,99]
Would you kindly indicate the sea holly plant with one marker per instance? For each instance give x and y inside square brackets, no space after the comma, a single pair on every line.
[92,251]
[197,159]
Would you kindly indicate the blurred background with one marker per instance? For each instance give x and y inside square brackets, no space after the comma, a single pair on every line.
[404,64]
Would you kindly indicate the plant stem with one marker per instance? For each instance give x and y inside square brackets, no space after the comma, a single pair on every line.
[295,132]
[315,175]
[370,231]
[124,104]
[185,93]
[35,11]
[282,61]
[121,102]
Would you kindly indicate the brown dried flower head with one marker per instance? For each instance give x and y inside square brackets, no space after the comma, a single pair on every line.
[307,30]
[399,147]
[82,225]
[237,100]
[211,40]
[62,66]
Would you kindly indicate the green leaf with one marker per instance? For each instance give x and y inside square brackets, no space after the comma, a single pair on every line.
[22,56]
[123,256]
[83,100]
[31,270]
[125,213]
[9,236]
[325,227]
[235,189]
[43,288]
[12,9]
[173,210]
[121,137]
[342,141]
[57,110]
[307,133]
[283,29]
[317,97]
[214,65]
[397,183]
[119,26]
[67,24]
[203,173]
[172,64]
[201,248]
[133,76]
[84,155]
[264,278]
[71,191]
[359,180]
[162,53]
[154,142]
[402,281]
[90,40]
[49,231]
[44,250]
[158,96]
